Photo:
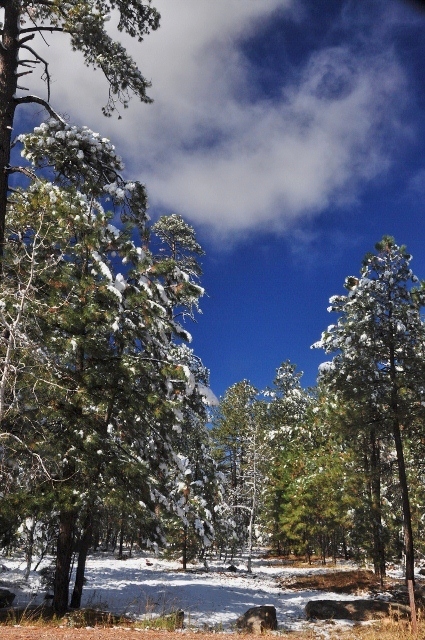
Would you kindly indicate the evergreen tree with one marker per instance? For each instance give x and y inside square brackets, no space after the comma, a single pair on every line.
[287,404]
[195,486]
[102,378]
[239,436]
[84,22]
[379,338]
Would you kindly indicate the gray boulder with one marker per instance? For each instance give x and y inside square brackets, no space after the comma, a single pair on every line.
[6,597]
[354,609]
[258,619]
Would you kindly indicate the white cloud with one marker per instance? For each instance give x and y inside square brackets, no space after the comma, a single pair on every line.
[208,150]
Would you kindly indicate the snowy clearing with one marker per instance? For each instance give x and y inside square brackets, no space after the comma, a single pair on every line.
[148,586]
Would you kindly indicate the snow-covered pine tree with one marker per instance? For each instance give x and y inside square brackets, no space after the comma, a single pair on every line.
[238,433]
[379,339]
[96,315]
[195,484]
[180,268]
[83,23]
[120,346]
[287,404]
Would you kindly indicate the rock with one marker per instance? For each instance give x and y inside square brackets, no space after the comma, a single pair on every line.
[258,619]
[354,609]
[6,597]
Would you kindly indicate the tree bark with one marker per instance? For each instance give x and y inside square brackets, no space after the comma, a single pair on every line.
[375,483]
[407,514]
[63,561]
[29,550]
[121,542]
[408,533]
[184,550]
[9,50]
[83,550]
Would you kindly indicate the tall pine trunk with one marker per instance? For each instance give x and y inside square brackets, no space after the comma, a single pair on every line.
[121,537]
[84,546]
[184,549]
[64,551]
[407,514]
[375,490]
[8,86]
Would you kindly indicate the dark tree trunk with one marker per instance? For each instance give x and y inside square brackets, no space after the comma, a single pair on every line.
[8,86]
[184,547]
[408,533]
[344,545]
[407,518]
[83,550]
[29,550]
[407,514]
[375,491]
[121,547]
[63,561]
[96,536]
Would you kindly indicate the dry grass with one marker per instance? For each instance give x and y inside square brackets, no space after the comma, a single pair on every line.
[350,581]
[39,616]
[387,629]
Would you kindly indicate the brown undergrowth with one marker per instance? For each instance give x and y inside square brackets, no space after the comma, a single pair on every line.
[346,581]
[382,631]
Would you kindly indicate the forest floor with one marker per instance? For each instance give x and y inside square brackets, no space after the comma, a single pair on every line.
[146,588]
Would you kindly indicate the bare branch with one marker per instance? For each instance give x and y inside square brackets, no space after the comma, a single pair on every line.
[28,63]
[27,172]
[36,29]
[44,103]
[46,67]
[26,39]
[22,443]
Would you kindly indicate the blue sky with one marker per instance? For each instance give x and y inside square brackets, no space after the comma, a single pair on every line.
[291,135]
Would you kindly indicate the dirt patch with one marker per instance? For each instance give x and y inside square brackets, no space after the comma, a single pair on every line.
[337,581]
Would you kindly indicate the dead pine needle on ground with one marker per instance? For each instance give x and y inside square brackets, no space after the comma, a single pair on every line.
[389,630]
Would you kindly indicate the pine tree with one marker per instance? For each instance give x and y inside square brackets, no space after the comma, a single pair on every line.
[194,487]
[380,338]
[287,405]
[239,436]
[96,318]
[84,22]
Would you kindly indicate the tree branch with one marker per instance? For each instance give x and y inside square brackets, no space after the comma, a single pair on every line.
[26,39]
[46,67]
[36,29]
[27,172]
[44,103]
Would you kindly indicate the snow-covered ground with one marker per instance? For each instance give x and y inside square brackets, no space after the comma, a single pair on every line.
[148,586]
